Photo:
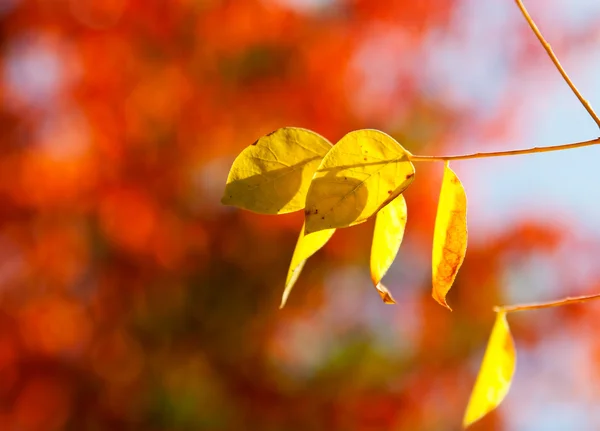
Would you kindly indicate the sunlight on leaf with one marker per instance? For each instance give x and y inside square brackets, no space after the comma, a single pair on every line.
[306,246]
[450,235]
[495,374]
[363,172]
[272,175]
[387,237]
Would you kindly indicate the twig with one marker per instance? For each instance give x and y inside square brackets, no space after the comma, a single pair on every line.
[554,59]
[415,158]
[537,306]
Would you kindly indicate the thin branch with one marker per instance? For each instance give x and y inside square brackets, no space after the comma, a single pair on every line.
[554,59]
[540,305]
[415,158]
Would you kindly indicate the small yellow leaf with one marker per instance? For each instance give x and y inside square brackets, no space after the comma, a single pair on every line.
[363,172]
[272,175]
[306,246]
[450,235]
[387,237]
[495,374]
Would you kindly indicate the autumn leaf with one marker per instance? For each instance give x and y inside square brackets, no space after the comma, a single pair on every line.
[272,175]
[495,374]
[363,172]
[387,237]
[450,235]
[306,246]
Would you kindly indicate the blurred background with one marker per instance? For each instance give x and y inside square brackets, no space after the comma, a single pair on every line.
[130,299]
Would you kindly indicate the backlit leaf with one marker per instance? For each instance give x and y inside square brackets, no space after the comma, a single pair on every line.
[387,237]
[495,374]
[450,235]
[363,172]
[272,175]
[306,246]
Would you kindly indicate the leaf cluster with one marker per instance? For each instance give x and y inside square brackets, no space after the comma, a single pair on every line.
[361,177]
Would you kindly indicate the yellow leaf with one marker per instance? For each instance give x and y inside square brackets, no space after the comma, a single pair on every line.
[387,237]
[306,246]
[450,235]
[272,175]
[363,172]
[495,374]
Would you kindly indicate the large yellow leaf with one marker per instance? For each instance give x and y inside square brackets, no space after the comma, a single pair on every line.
[306,246]
[495,374]
[363,172]
[272,175]
[387,237]
[450,235]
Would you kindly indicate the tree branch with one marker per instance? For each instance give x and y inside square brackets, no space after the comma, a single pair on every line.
[534,150]
[540,305]
[556,62]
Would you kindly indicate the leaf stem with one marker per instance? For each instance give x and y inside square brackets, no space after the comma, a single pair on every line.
[416,158]
[539,305]
[556,62]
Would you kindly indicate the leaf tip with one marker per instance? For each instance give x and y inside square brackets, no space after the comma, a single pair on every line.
[387,299]
[291,280]
[469,419]
[311,224]
[385,294]
[225,200]
[441,301]
[288,286]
